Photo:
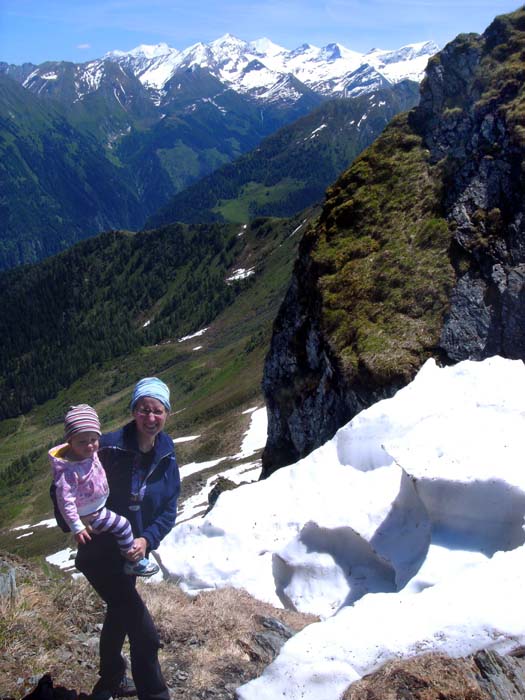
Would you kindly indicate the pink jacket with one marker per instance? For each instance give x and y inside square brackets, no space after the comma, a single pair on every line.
[81,487]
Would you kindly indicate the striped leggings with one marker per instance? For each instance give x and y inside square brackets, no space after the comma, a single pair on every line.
[105,520]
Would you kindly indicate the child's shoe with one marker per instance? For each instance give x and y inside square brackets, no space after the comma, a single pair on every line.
[144,567]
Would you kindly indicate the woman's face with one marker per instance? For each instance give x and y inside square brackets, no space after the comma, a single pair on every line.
[150,416]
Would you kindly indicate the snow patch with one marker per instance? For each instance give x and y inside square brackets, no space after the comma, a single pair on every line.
[240,273]
[193,335]
[187,438]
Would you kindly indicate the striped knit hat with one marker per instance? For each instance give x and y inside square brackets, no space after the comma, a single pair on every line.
[81,419]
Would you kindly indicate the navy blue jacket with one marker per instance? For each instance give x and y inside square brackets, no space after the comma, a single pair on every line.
[156,515]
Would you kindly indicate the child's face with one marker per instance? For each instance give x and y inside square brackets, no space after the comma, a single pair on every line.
[83,445]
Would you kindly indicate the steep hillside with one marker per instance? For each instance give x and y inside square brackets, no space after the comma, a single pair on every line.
[115,293]
[291,169]
[57,184]
[420,250]
[84,325]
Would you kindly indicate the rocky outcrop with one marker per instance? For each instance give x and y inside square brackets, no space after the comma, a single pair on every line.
[486,675]
[469,120]
[419,251]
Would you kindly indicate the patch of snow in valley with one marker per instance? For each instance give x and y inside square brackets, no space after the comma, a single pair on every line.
[49,522]
[193,335]
[298,228]
[240,274]
[316,131]
[65,559]
[186,438]
[197,504]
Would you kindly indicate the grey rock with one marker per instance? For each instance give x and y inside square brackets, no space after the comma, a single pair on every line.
[502,677]
[7,582]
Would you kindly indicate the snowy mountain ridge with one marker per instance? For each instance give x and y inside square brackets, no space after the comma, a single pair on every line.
[258,65]
[260,71]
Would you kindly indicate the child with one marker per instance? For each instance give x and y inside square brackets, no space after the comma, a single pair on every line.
[82,487]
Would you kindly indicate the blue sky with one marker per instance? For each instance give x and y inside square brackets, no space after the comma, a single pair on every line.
[79,30]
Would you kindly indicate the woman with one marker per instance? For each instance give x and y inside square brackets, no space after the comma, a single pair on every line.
[144,485]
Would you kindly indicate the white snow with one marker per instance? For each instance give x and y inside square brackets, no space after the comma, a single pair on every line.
[255,437]
[196,505]
[409,61]
[297,228]
[316,131]
[186,438]
[193,335]
[194,467]
[49,522]
[240,273]
[26,534]
[65,559]
[404,533]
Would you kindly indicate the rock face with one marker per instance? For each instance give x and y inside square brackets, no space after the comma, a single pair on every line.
[419,251]
[486,675]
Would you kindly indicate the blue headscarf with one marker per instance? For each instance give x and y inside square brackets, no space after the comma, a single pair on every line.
[154,388]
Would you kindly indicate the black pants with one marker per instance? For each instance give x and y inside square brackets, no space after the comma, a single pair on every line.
[126,615]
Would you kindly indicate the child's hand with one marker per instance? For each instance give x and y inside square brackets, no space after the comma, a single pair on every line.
[82,537]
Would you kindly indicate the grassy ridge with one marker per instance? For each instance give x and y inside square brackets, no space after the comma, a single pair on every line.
[382,250]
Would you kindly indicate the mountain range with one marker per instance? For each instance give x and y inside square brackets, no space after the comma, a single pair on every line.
[136,128]
[262,70]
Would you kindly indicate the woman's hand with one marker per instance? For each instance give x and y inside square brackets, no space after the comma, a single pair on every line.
[138,551]
[82,537]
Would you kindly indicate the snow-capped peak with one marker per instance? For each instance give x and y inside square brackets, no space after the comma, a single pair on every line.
[267,47]
[406,62]
[143,51]
[228,41]
[333,52]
